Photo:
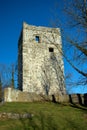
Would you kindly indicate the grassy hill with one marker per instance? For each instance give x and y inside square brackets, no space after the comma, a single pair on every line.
[46,116]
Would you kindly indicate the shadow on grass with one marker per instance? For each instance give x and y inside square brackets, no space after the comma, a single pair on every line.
[39,122]
[79,104]
[47,122]
[82,107]
[81,100]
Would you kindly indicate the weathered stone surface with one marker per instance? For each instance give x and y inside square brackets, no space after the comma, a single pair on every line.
[40,64]
[5,115]
[12,95]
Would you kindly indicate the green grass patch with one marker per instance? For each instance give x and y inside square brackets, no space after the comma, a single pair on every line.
[47,116]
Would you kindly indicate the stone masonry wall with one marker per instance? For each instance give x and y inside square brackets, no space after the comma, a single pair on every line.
[13,95]
[42,69]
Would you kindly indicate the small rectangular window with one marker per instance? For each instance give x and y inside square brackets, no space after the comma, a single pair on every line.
[37,39]
[51,49]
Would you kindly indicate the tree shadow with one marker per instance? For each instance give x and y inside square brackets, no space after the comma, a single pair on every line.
[54,99]
[85,99]
[70,99]
[79,99]
[79,104]
[39,122]
[75,100]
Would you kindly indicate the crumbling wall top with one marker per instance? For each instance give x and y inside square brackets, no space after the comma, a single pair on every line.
[41,28]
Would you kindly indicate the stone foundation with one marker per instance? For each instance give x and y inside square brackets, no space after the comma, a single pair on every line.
[13,95]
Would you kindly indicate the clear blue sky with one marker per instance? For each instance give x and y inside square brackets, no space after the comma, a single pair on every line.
[12,15]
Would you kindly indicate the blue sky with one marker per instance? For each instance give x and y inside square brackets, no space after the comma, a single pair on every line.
[12,15]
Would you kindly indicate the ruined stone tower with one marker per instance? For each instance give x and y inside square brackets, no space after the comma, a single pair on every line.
[40,64]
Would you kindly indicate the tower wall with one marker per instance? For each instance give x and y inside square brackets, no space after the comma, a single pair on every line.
[20,62]
[41,68]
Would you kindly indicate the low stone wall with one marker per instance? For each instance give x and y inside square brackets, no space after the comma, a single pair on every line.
[13,95]
[76,98]
[5,115]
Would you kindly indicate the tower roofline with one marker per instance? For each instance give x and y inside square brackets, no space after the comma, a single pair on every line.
[40,28]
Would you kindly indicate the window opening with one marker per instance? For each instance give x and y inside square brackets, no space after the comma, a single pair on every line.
[51,49]
[37,39]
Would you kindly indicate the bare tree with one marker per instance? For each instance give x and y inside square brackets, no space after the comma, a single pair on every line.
[76,13]
[74,34]
[12,75]
[8,75]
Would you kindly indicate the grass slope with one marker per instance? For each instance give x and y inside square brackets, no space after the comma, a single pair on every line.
[47,116]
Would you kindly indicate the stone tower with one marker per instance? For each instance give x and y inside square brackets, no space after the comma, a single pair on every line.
[40,64]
